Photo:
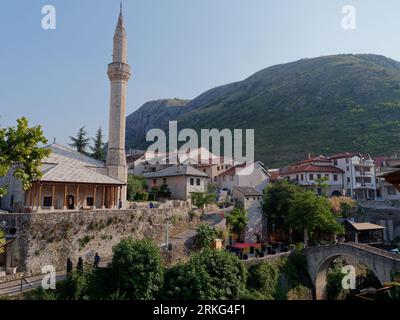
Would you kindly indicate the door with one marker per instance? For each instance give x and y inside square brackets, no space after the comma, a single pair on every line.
[71,202]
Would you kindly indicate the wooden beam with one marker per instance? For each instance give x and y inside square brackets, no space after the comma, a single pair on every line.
[65,195]
[40,195]
[94,196]
[53,195]
[77,195]
[104,196]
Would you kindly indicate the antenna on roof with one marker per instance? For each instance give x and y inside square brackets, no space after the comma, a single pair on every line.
[54,141]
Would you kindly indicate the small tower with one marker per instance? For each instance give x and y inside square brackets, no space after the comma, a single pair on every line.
[119,73]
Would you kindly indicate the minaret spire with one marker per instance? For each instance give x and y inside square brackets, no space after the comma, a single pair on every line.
[119,73]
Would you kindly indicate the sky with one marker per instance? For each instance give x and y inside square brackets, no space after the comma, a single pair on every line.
[176,48]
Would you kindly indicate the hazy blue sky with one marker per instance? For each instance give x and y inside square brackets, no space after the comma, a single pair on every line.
[177,48]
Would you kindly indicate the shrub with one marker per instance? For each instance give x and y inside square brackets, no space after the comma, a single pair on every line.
[206,235]
[300,293]
[209,275]
[263,277]
[137,268]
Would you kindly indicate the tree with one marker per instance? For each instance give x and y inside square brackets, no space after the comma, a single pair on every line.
[206,235]
[80,142]
[209,275]
[237,220]
[136,185]
[202,199]
[19,146]
[137,268]
[263,277]
[276,202]
[308,212]
[98,148]
[322,184]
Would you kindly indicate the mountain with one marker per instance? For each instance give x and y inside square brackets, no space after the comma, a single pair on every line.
[321,105]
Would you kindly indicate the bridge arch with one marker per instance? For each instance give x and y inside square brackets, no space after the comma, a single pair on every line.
[320,258]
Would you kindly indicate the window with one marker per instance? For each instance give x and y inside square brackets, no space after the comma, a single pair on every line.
[191,181]
[254,198]
[11,201]
[248,198]
[226,167]
[311,176]
[348,179]
[47,201]
[302,177]
[164,180]
[347,168]
[154,181]
[218,168]
[198,182]
[231,177]
[215,179]
[90,201]
[318,176]
[347,160]
[326,175]
[335,177]
[297,177]
[335,162]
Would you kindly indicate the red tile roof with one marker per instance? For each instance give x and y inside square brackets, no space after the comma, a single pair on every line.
[313,159]
[312,168]
[378,161]
[344,155]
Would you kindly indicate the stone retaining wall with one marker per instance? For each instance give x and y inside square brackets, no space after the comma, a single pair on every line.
[51,238]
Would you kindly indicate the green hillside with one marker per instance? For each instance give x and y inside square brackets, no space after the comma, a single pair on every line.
[321,105]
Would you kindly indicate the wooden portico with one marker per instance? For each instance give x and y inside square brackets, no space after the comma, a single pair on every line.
[47,195]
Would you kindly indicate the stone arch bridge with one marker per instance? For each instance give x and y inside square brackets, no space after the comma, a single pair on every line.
[319,258]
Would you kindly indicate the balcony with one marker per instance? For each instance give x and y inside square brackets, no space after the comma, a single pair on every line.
[367,163]
[364,173]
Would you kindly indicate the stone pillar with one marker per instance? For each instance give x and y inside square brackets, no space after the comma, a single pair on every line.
[383,224]
[119,73]
[389,230]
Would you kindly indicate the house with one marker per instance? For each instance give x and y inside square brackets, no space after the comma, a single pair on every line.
[243,175]
[70,180]
[359,174]
[307,174]
[384,189]
[251,200]
[363,232]
[180,179]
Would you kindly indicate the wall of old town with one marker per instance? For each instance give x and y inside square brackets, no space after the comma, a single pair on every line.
[50,238]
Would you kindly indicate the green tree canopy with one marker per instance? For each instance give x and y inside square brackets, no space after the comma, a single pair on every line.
[308,212]
[137,266]
[263,277]
[136,185]
[206,235]
[209,275]
[81,141]
[276,202]
[202,199]
[98,147]
[19,146]
[237,220]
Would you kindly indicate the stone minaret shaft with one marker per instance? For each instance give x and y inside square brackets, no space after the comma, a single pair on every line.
[119,73]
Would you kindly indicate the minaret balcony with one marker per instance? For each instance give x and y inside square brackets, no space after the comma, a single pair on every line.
[119,71]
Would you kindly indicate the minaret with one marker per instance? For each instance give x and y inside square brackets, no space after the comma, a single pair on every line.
[119,73]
